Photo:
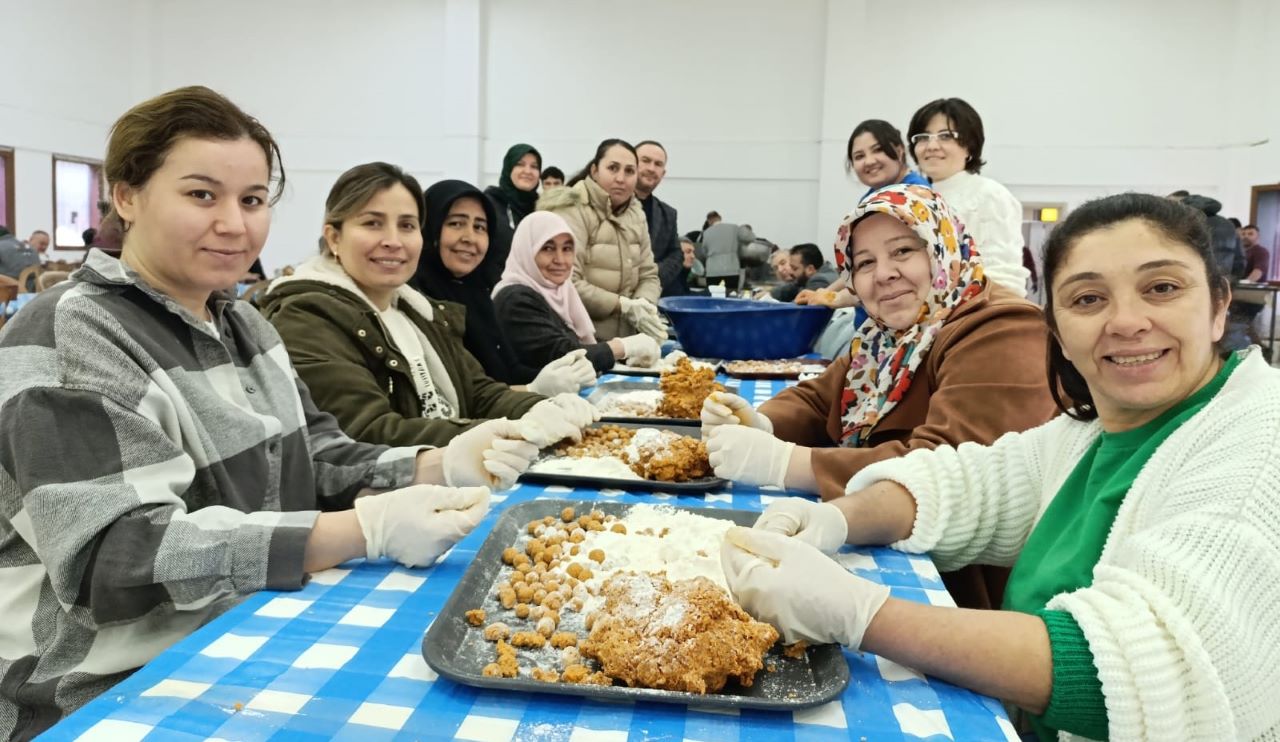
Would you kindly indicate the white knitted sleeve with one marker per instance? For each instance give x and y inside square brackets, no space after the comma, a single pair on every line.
[976,504]
[1183,617]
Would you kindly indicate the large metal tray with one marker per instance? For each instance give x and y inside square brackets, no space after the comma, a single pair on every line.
[458,651]
[692,487]
[623,369]
[617,387]
[728,369]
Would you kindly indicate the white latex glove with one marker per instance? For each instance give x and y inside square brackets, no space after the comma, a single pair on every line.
[818,523]
[748,455]
[640,350]
[653,327]
[723,408]
[491,454]
[552,420]
[568,373]
[799,590]
[417,524]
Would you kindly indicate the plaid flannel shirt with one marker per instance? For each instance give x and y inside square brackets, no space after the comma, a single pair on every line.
[152,472]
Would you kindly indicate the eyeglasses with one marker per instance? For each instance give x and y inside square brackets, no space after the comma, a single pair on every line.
[942,137]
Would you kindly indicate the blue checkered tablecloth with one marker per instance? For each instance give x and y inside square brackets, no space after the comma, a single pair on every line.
[341,659]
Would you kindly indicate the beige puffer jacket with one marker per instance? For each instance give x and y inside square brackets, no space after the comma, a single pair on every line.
[613,257]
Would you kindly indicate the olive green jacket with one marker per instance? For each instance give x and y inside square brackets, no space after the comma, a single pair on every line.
[343,352]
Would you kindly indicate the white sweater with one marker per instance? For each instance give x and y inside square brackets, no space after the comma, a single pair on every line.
[993,216]
[1183,616]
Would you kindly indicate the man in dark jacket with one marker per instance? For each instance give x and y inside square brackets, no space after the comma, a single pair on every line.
[661,218]
[809,271]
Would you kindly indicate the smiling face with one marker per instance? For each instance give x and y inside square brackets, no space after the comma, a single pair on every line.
[464,240]
[782,266]
[653,167]
[526,172]
[616,174]
[1136,318]
[555,258]
[891,270]
[200,221]
[379,245]
[875,167]
[942,156]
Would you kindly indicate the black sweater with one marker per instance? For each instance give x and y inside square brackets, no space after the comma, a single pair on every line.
[537,334]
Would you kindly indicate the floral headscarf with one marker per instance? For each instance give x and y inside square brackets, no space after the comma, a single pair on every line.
[883,360]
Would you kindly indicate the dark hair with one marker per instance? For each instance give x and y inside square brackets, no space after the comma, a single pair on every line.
[85,236]
[710,215]
[810,254]
[1234,222]
[654,143]
[885,134]
[552,172]
[1179,194]
[963,120]
[141,139]
[357,186]
[601,151]
[1254,227]
[1179,223]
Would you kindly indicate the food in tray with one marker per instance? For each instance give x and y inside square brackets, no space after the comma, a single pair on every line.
[781,368]
[668,363]
[640,600]
[686,636]
[614,452]
[679,395]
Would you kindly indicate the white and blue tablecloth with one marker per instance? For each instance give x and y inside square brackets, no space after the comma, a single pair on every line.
[341,659]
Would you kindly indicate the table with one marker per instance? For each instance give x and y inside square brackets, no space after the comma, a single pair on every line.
[1256,293]
[341,660]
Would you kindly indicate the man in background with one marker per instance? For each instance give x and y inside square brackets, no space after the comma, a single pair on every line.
[1256,257]
[809,271]
[15,255]
[661,217]
[552,177]
[722,243]
[39,241]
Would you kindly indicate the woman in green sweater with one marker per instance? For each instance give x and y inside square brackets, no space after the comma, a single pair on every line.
[383,359]
[1141,524]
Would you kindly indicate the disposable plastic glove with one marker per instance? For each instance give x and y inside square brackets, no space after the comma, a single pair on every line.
[552,420]
[568,373]
[417,524]
[818,523]
[491,454]
[798,589]
[640,350]
[723,408]
[748,455]
[653,327]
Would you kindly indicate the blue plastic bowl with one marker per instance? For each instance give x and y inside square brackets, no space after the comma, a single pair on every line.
[742,329]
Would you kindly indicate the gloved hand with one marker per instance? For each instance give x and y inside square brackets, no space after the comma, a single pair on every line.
[568,373]
[748,455]
[417,524]
[799,590]
[552,420]
[723,408]
[643,315]
[654,327]
[640,350]
[818,523]
[491,454]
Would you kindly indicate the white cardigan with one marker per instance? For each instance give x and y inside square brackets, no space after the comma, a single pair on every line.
[993,216]
[1183,616]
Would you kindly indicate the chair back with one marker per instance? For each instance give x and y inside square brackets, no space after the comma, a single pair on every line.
[29,277]
[50,278]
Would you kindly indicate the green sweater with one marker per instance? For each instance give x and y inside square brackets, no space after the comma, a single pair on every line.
[1067,543]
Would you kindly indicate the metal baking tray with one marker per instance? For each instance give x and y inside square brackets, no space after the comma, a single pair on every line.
[623,369]
[691,487]
[458,651]
[727,369]
[617,387]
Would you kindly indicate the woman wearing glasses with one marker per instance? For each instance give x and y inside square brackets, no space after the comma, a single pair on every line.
[946,142]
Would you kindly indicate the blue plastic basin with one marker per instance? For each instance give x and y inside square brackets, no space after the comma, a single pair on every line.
[742,329]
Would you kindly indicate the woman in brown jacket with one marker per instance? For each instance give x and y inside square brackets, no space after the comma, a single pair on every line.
[944,358]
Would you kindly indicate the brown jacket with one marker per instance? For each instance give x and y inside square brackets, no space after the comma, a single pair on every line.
[984,375]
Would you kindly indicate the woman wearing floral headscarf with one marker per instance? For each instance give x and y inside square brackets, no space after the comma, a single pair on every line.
[944,357]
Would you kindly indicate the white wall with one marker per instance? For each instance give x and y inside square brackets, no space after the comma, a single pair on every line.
[753,100]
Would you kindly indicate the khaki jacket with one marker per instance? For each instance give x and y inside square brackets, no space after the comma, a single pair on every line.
[614,257]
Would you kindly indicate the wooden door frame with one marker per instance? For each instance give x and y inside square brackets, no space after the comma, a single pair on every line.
[1253,199]
[11,201]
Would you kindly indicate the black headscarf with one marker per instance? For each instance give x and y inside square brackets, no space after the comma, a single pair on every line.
[512,205]
[483,338]
[523,201]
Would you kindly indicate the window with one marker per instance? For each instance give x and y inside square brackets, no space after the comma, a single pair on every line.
[6,188]
[77,189]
